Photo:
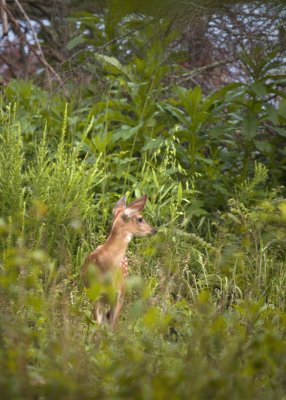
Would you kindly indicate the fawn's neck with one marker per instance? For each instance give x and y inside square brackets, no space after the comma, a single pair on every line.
[116,245]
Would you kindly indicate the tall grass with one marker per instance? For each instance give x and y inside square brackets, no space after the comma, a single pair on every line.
[205,312]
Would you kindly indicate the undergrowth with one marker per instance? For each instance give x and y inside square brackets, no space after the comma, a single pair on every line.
[205,313]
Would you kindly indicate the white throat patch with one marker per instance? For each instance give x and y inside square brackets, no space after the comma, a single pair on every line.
[128,237]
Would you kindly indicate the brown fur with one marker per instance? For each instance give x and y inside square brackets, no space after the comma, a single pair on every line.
[109,258]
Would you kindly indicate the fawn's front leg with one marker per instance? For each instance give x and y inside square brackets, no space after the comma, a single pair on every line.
[117,308]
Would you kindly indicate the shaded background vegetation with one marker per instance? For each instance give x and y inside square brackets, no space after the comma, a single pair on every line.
[185,102]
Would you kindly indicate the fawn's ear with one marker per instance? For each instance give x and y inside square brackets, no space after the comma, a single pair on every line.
[135,206]
[121,204]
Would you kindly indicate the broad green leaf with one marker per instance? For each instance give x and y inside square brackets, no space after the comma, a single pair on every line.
[177,113]
[272,113]
[250,125]
[259,89]
[75,42]
[153,144]
[282,108]
[125,133]
[280,131]
[263,146]
[114,65]
[221,94]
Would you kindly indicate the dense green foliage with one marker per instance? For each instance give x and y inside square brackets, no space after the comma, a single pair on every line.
[205,314]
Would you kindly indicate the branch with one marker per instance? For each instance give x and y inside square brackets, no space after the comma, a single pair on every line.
[199,70]
[39,54]
[4,17]
[10,65]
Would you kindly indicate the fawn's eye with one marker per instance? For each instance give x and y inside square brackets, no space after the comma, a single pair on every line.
[140,220]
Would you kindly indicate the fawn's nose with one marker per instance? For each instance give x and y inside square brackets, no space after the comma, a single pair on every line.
[154,231]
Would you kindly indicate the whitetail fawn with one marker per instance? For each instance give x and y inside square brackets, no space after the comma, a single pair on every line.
[109,260]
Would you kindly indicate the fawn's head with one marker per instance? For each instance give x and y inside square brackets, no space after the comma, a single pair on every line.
[128,221]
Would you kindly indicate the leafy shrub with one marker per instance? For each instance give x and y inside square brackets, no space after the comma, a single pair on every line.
[205,312]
